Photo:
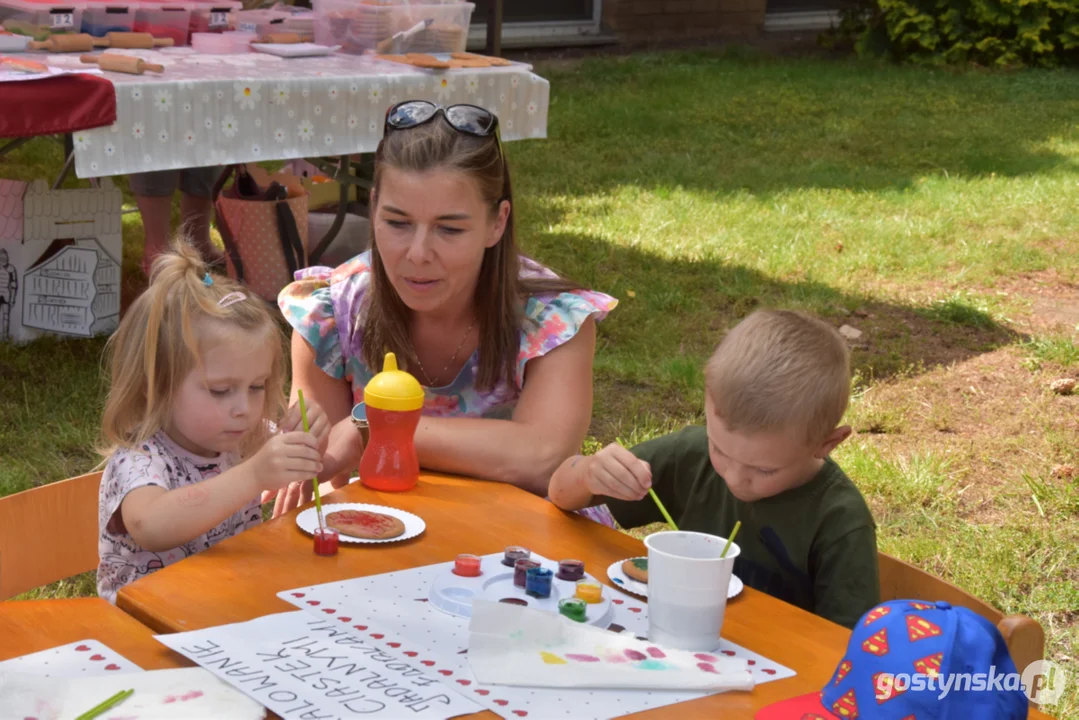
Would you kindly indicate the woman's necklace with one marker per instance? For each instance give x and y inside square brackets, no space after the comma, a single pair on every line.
[430,380]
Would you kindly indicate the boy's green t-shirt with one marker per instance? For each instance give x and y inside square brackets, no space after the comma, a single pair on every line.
[814,546]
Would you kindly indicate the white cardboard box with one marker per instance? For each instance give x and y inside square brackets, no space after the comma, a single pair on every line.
[60,260]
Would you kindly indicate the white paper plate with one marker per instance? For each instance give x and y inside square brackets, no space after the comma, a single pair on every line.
[294,50]
[640,589]
[414,525]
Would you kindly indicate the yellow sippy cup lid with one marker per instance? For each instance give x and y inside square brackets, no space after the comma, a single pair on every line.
[393,389]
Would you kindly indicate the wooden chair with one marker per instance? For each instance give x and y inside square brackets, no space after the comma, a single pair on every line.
[899,580]
[48,534]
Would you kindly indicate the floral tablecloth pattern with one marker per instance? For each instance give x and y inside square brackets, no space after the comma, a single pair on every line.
[214,110]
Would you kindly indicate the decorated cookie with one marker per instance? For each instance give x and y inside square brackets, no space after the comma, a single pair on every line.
[636,569]
[365,525]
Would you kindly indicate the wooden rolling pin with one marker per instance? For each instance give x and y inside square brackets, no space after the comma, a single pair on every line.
[122,64]
[134,41]
[85,43]
[283,38]
[65,43]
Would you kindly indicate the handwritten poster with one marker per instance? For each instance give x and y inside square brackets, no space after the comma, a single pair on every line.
[313,669]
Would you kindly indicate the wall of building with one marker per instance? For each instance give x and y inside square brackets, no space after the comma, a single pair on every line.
[645,21]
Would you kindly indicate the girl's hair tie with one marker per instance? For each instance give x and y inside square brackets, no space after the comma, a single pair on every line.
[207,280]
[231,299]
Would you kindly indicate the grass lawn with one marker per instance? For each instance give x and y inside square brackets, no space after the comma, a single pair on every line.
[935,212]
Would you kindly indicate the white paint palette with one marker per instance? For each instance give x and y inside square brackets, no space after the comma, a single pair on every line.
[453,594]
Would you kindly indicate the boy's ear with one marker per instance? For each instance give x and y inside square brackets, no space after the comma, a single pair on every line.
[834,439]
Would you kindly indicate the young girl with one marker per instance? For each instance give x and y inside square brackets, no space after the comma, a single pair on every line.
[197,369]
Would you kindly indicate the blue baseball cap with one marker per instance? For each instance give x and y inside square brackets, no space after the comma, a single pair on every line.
[916,660]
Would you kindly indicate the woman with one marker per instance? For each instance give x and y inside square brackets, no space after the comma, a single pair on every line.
[502,346]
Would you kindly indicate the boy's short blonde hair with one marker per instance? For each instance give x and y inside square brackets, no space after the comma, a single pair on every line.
[779,370]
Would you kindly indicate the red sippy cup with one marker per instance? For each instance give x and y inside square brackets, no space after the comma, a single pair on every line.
[394,401]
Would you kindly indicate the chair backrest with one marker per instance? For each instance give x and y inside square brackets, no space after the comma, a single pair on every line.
[899,580]
[48,534]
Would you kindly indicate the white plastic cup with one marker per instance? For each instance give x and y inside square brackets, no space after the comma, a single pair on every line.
[687,588]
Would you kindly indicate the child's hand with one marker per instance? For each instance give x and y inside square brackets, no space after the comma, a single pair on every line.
[318,422]
[617,473]
[286,458]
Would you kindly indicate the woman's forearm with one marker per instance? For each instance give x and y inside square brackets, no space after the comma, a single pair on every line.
[343,451]
[502,450]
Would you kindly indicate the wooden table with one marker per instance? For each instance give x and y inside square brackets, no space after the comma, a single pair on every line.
[239,579]
[29,626]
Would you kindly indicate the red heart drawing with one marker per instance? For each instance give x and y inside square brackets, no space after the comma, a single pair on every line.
[635,609]
[411,653]
[377,636]
[313,602]
[83,648]
[751,662]
[345,619]
[360,627]
[769,671]
[503,703]
[447,673]
[97,658]
[112,667]
[428,663]
[520,713]
[728,653]
[483,692]
[297,594]
[618,601]
[462,681]
[394,644]
[328,611]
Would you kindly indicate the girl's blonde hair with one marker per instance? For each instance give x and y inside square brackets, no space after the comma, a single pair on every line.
[157,346]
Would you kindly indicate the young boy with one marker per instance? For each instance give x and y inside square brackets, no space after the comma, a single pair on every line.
[776,390]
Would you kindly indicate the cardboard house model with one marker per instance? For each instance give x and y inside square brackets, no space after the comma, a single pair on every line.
[60,255]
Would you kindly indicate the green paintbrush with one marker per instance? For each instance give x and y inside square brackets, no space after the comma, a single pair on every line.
[662,509]
[307,428]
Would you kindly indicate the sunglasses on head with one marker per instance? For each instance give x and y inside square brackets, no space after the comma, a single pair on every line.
[467,119]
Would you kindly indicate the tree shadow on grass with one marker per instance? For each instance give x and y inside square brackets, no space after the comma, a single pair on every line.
[672,313]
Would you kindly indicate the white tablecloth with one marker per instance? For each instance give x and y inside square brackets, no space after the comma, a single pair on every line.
[213,110]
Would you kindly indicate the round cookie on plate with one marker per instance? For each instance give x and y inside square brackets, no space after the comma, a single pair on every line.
[365,524]
[636,569]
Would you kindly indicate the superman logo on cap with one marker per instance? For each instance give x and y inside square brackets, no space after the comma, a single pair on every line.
[876,614]
[877,644]
[919,628]
[846,707]
[841,672]
[921,606]
[930,664]
[885,687]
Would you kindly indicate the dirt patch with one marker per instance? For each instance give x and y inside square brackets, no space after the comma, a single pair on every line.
[994,419]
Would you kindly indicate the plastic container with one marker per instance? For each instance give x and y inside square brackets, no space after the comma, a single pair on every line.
[225,43]
[101,18]
[39,20]
[278,19]
[360,27]
[394,401]
[163,20]
[327,541]
[213,17]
